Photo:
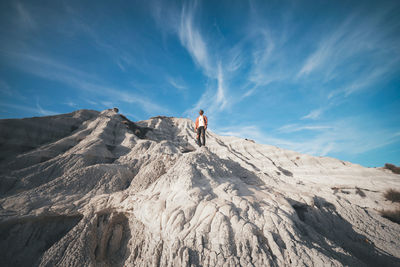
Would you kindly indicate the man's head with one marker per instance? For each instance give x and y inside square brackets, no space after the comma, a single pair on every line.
[201,112]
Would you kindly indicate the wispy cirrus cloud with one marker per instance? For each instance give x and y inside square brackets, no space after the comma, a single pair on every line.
[368,80]
[359,48]
[177,83]
[291,128]
[254,132]
[182,21]
[123,54]
[221,99]
[25,17]
[336,46]
[44,112]
[37,109]
[264,58]
[214,97]
[71,104]
[313,114]
[343,136]
[272,59]
[49,68]
[192,39]
[236,57]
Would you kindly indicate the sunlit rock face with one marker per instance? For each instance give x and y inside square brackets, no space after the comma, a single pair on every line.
[92,188]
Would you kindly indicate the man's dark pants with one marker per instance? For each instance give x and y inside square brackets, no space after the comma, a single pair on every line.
[201,132]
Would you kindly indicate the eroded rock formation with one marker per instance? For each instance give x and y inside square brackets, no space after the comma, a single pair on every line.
[95,189]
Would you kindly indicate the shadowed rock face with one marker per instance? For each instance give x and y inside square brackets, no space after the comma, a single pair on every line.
[22,135]
[24,240]
[95,189]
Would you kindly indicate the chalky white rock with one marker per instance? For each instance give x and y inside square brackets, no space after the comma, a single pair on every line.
[92,188]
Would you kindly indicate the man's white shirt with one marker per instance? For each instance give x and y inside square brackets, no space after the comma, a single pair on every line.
[201,121]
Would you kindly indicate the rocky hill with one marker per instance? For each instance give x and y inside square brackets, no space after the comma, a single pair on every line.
[92,188]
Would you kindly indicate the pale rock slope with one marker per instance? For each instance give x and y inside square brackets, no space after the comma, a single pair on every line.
[95,189]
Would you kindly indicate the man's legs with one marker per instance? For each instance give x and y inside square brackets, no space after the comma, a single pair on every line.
[203,135]
[198,135]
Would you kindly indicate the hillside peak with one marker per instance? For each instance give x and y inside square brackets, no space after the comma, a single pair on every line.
[94,188]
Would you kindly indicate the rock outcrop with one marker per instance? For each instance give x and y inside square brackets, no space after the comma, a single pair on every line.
[95,189]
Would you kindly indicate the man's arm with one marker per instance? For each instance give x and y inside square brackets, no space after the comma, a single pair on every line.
[196,124]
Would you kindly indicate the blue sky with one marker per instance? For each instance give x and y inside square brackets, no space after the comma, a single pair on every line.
[318,77]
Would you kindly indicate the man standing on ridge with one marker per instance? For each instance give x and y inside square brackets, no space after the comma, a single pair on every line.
[201,127]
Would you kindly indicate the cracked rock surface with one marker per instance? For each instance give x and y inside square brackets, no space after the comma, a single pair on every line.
[92,188]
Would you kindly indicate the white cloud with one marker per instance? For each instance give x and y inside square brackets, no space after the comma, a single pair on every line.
[341,136]
[318,58]
[20,107]
[366,80]
[37,110]
[290,128]
[266,60]
[192,39]
[314,114]
[71,104]
[107,104]
[213,100]
[235,58]
[25,17]
[44,66]
[205,102]
[124,55]
[178,83]
[249,92]
[255,133]
[91,102]
[221,99]
[43,111]
[334,44]
[50,69]
[374,76]
[129,115]
[337,55]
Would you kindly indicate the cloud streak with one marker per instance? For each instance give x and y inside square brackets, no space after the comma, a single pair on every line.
[177,83]
[192,39]
[37,110]
[221,99]
[291,128]
[25,17]
[214,99]
[314,114]
[50,69]
[337,137]
[337,56]
[44,112]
